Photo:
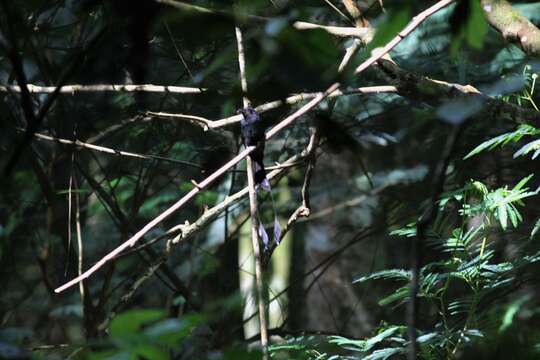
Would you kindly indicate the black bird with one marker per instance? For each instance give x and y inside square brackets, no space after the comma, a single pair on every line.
[252,130]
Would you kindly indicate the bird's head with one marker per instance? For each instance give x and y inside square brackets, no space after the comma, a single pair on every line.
[247,112]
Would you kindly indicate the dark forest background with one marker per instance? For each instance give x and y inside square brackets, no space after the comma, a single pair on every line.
[407,199]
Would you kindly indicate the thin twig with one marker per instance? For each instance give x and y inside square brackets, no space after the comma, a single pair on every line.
[222,170]
[349,53]
[107,150]
[183,232]
[336,9]
[206,123]
[263,323]
[416,21]
[34,120]
[192,119]
[362,33]
[355,13]
[102,134]
[79,240]
[341,31]
[191,194]
[133,288]
[304,210]
[70,210]
[259,282]
[78,88]
[346,204]
[178,52]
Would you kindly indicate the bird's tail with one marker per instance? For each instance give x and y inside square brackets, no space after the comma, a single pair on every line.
[260,176]
[261,181]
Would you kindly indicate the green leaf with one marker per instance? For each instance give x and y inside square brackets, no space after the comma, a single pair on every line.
[153,352]
[522,182]
[368,344]
[511,311]
[468,23]
[130,322]
[154,203]
[480,187]
[170,331]
[514,216]
[426,338]
[241,353]
[393,24]
[490,144]
[208,198]
[308,42]
[371,342]
[476,27]
[110,355]
[400,294]
[535,228]
[474,332]
[502,214]
[384,354]
[391,274]
[357,345]
[461,306]
[503,139]
[527,148]
[408,230]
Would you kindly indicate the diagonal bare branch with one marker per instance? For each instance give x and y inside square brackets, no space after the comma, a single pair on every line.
[280,126]
[190,195]
[513,26]
[72,89]
[411,26]
[259,281]
[207,124]
[183,232]
[107,150]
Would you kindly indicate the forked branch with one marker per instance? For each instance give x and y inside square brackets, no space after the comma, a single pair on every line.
[280,126]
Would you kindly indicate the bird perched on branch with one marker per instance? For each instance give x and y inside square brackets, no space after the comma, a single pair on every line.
[252,130]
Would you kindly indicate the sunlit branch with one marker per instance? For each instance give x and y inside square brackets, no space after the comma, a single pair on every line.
[72,89]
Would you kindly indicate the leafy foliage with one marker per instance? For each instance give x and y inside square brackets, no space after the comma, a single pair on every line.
[185,291]
[146,333]
[503,139]
[467,280]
